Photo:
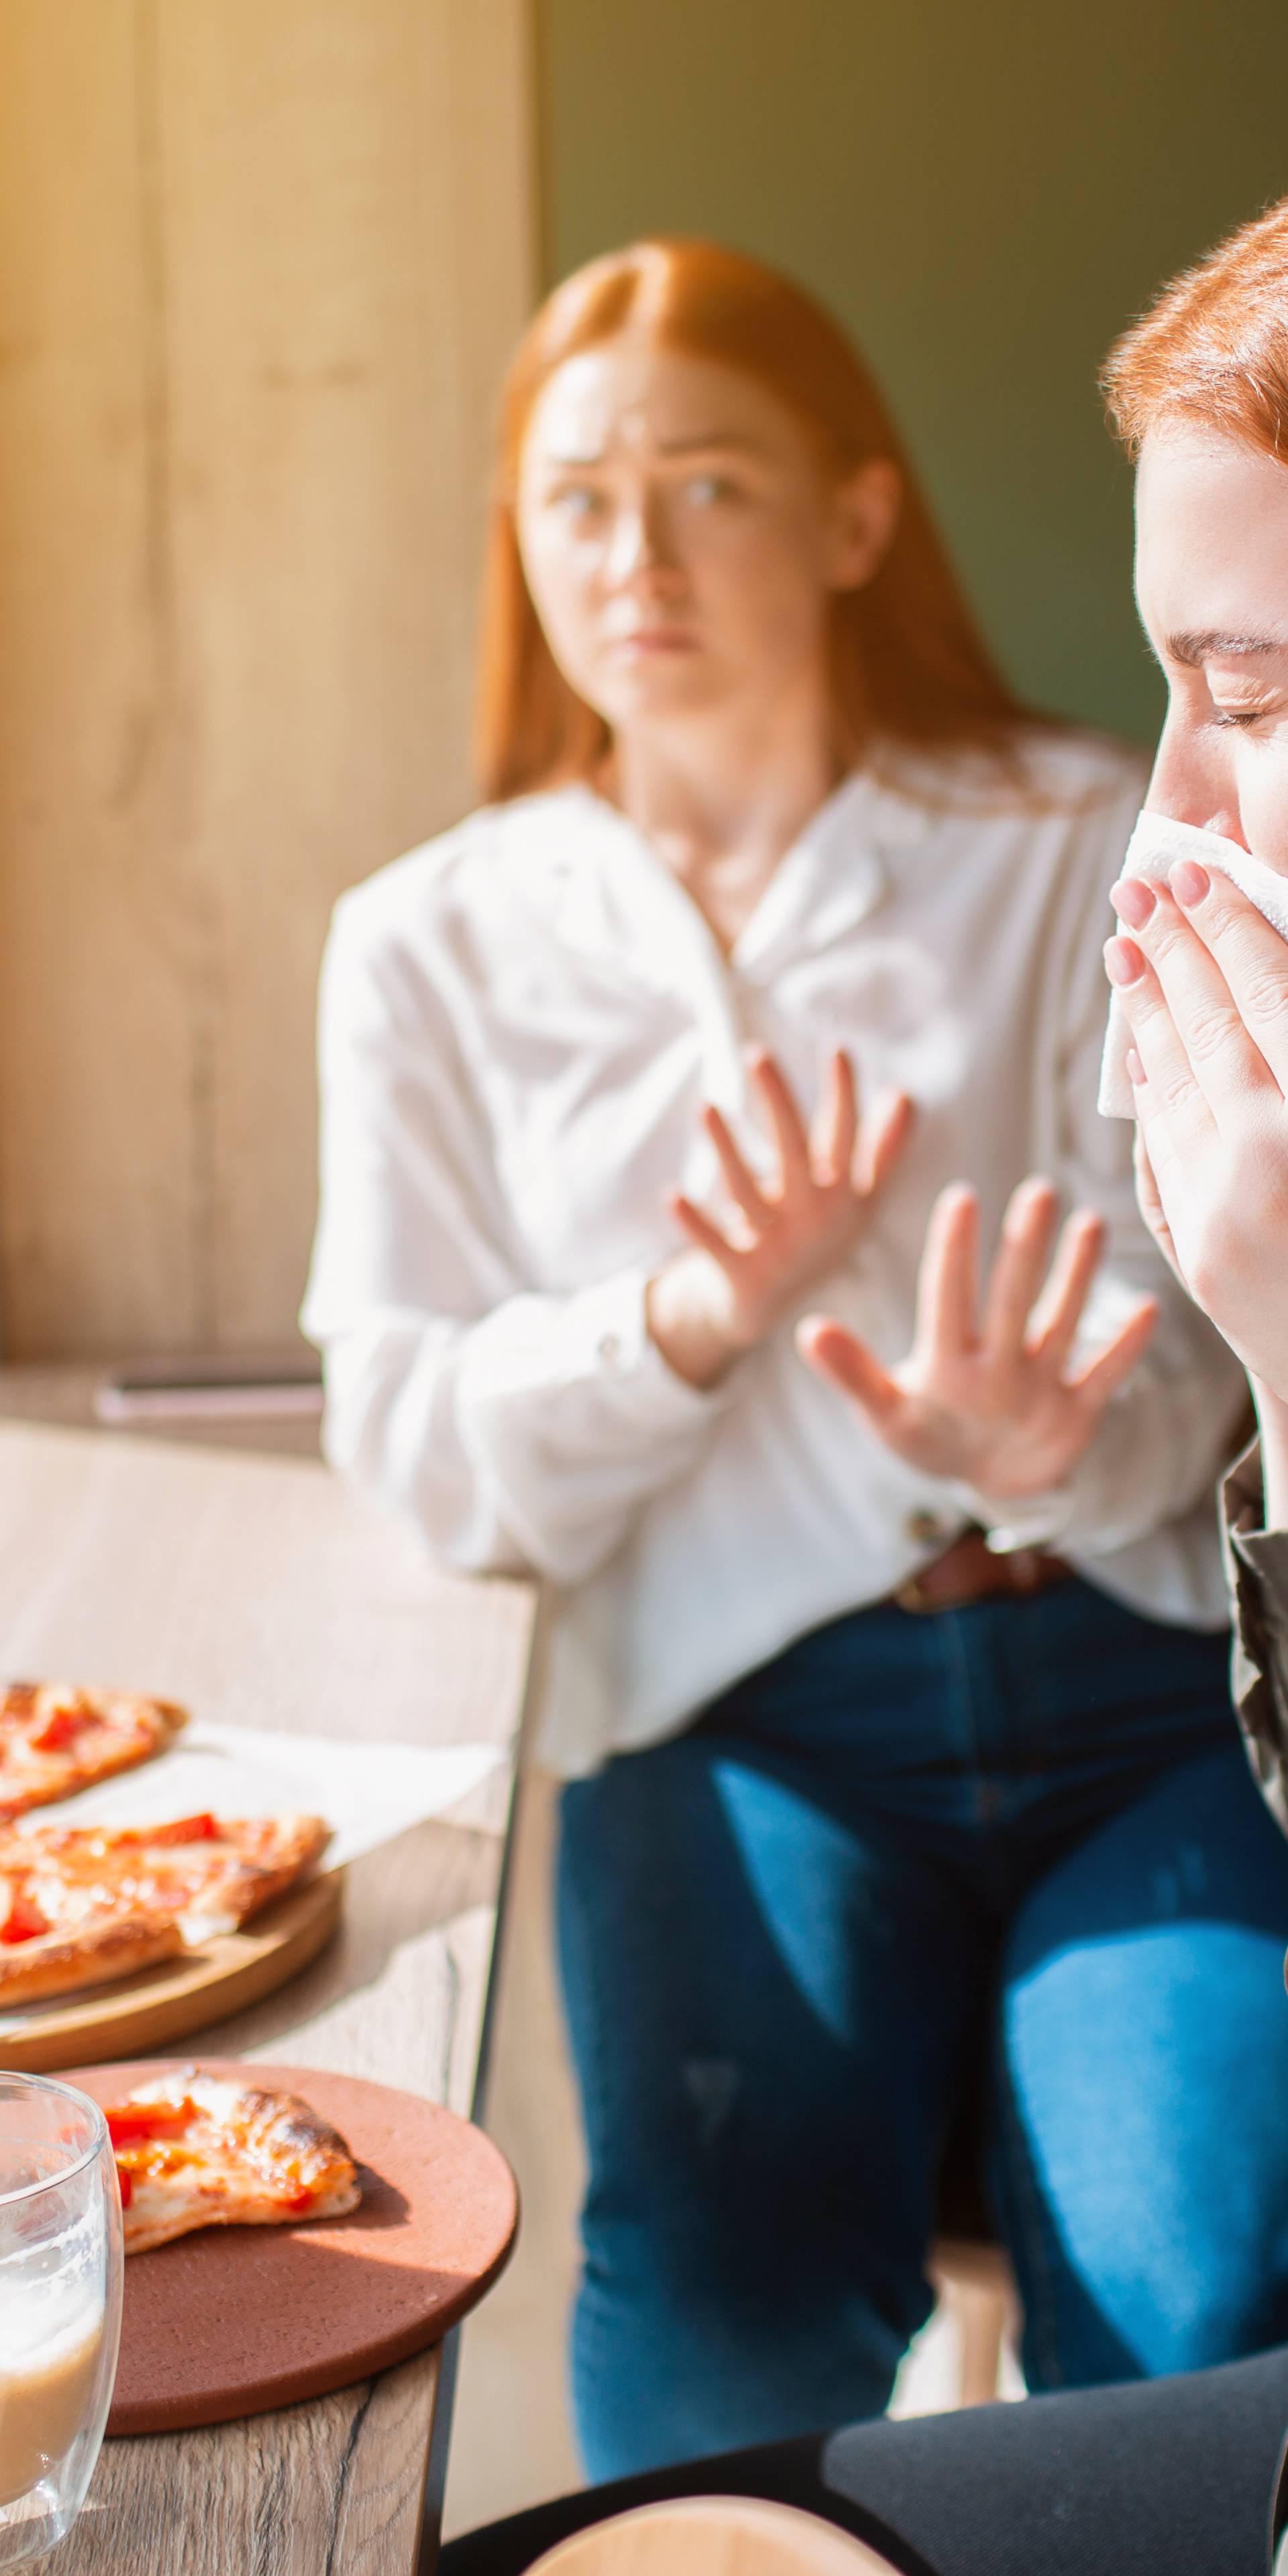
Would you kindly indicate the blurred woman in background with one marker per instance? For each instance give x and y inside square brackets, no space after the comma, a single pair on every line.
[900,1752]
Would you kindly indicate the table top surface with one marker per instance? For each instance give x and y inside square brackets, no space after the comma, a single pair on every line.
[256,1590]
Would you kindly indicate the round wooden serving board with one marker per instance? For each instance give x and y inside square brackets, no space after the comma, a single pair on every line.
[179,1995]
[239,2319]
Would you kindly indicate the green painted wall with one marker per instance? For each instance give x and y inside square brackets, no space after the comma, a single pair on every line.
[985,193]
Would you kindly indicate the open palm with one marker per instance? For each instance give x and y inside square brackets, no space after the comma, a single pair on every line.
[993,1398]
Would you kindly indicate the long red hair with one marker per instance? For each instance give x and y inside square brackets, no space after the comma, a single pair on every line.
[908,660]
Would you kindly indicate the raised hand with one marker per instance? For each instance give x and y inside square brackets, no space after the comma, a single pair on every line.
[993,1400]
[788,1229]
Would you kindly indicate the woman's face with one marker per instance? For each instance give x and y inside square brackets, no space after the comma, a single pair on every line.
[681,539]
[1212,582]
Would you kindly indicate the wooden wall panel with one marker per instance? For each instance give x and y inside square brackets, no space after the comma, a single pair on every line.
[96,1118]
[260,270]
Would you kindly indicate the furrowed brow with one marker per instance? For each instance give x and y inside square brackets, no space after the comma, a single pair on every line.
[1211,644]
[708,441]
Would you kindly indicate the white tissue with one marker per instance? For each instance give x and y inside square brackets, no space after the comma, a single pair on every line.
[1155,846]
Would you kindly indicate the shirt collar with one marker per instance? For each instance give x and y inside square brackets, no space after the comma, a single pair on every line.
[825,884]
[833,876]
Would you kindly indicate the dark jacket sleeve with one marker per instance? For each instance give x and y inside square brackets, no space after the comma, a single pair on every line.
[1257,1560]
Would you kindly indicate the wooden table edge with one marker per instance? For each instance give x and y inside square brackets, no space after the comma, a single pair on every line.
[54,1401]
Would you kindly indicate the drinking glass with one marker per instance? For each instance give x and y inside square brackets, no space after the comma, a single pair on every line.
[60,2306]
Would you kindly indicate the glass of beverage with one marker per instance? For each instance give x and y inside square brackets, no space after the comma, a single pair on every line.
[60,2306]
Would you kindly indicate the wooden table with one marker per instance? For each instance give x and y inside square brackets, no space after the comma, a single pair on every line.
[255,1589]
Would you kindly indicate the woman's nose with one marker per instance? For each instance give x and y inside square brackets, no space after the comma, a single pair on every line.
[638,543]
[1192,783]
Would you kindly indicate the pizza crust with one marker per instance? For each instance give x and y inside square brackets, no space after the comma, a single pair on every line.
[113,1901]
[57,1963]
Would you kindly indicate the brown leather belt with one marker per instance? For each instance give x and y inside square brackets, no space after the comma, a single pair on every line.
[970,1571]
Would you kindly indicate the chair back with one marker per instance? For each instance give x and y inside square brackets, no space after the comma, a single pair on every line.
[712,2536]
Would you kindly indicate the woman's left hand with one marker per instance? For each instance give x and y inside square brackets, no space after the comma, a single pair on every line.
[788,1229]
[1203,980]
[992,1402]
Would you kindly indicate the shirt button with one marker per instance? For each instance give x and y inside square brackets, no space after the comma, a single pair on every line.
[610,1349]
[924,1527]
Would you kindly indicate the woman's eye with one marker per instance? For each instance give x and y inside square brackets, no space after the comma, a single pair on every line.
[1240,716]
[577,500]
[706,489]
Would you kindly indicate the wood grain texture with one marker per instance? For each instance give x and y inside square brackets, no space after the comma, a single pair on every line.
[259,273]
[713,2536]
[253,1589]
[98,1200]
[269,1595]
[333,2488]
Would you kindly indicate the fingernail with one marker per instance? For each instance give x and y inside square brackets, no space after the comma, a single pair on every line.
[1188,881]
[1123,962]
[1135,1069]
[1133,901]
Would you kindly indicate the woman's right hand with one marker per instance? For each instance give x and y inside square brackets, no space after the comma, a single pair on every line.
[1204,984]
[790,1229]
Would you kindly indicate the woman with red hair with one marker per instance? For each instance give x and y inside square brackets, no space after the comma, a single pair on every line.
[899,1755]
[1183,2473]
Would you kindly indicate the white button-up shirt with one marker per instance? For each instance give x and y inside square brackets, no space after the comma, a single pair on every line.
[519,1025]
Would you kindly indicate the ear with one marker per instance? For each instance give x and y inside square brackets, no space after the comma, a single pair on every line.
[865,514]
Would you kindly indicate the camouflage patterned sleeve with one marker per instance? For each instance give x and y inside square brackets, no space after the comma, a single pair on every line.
[1257,1561]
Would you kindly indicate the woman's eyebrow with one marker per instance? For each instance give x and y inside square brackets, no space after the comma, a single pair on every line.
[690,443]
[557,457]
[695,442]
[1212,644]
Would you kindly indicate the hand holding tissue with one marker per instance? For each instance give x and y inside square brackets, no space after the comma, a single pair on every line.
[1155,846]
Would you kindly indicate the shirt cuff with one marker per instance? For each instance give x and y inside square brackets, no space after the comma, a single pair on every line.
[612,1341]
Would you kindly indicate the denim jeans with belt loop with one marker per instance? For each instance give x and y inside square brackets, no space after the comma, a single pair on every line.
[1015,1845]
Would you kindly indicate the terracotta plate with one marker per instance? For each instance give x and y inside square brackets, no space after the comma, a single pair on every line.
[239,2319]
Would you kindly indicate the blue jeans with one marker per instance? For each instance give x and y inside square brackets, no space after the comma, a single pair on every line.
[1017,1841]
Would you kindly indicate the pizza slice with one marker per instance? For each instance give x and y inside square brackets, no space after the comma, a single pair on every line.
[56,1738]
[197,2150]
[210,1873]
[40,1957]
[82,1904]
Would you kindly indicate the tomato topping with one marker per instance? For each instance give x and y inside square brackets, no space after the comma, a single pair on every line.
[185,1829]
[54,1733]
[21,1919]
[138,2121]
[127,2187]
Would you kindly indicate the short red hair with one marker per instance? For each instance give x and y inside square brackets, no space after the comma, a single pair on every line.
[1212,351]
[908,660]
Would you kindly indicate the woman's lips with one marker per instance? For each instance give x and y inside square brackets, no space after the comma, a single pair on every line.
[654,640]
